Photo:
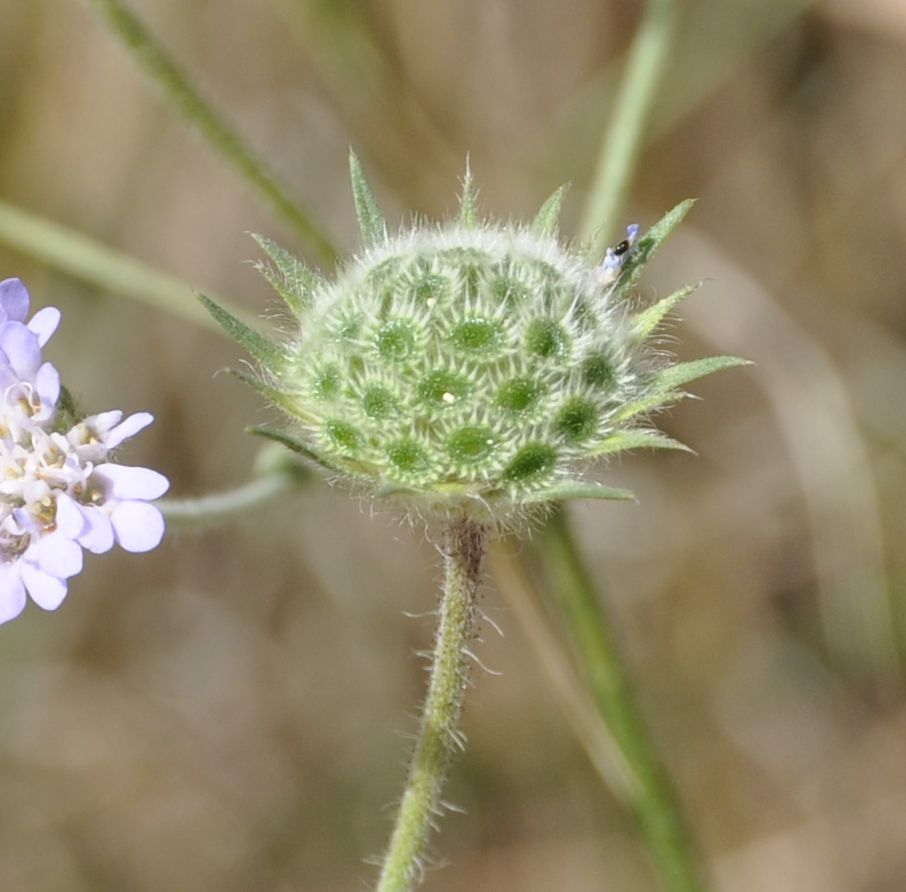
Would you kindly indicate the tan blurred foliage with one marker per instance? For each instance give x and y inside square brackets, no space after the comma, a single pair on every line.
[230,712]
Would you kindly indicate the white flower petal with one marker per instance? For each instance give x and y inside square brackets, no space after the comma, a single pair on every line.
[12,591]
[47,383]
[56,555]
[46,591]
[138,525]
[98,535]
[70,520]
[126,482]
[104,421]
[44,323]
[129,428]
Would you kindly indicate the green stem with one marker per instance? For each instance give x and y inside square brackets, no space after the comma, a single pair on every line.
[625,134]
[213,126]
[96,263]
[217,508]
[656,803]
[439,737]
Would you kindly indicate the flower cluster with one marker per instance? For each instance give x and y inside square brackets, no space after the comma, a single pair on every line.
[470,367]
[59,492]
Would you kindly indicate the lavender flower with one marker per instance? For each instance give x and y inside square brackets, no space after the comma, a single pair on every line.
[59,493]
[615,257]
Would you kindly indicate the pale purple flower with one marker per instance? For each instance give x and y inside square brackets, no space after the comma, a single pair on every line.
[23,375]
[616,256]
[59,493]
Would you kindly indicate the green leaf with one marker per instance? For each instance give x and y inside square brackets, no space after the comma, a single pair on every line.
[371,221]
[265,351]
[288,276]
[682,373]
[650,242]
[290,442]
[647,320]
[548,217]
[639,439]
[468,206]
[577,489]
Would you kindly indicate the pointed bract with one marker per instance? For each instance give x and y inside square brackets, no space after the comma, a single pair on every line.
[637,439]
[287,275]
[371,221]
[269,354]
[650,242]
[273,394]
[290,442]
[682,373]
[578,489]
[548,217]
[638,407]
[468,206]
[647,320]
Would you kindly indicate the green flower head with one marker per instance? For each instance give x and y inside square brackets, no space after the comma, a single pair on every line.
[471,367]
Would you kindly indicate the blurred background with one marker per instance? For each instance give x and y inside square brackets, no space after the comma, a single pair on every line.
[233,711]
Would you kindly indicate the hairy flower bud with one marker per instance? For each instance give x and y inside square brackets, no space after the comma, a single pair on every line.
[468,367]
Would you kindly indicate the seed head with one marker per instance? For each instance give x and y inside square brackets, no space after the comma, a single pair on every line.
[468,367]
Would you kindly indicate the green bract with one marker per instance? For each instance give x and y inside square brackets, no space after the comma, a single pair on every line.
[468,367]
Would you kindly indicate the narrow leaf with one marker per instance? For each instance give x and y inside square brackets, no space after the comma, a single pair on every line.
[576,489]
[631,410]
[676,375]
[640,439]
[271,394]
[290,442]
[371,221]
[548,218]
[288,276]
[468,207]
[265,351]
[650,242]
[647,320]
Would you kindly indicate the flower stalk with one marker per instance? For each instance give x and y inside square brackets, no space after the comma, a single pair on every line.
[221,507]
[657,807]
[217,130]
[624,138]
[439,736]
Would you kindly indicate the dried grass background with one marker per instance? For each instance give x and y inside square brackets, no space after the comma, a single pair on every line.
[231,711]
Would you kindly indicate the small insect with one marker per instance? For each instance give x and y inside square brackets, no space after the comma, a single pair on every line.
[616,256]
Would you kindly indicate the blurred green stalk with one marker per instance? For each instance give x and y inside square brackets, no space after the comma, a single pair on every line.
[625,134]
[212,125]
[592,636]
[218,508]
[96,263]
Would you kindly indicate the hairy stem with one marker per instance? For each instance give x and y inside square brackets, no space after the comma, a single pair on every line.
[625,133]
[439,737]
[221,507]
[212,125]
[658,809]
